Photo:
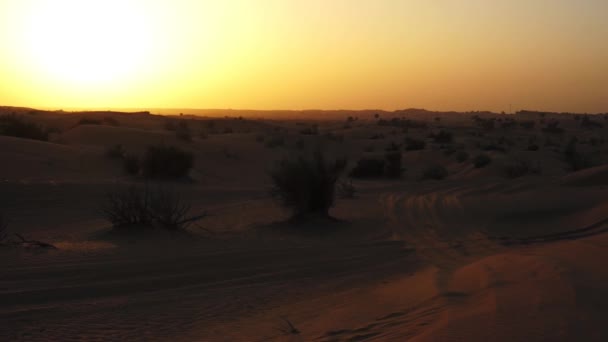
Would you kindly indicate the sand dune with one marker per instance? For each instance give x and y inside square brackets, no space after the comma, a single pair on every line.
[476,256]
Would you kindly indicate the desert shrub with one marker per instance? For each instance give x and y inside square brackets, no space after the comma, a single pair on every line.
[368,168]
[588,123]
[533,147]
[376,137]
[436,172]
[575,159]
[140,206]
[111,121]
[442,137]
[414,144]
[115,152]
[131,165]
[346,189]
[519,168]
[166,162]
[89,121]
[16,126]
[481,160]
[462,156]
[299,144]
[392,167]
[228,130]
[307,185]
[203,135]
[128,207]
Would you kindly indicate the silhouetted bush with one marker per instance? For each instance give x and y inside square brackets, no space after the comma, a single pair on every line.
[519,168]
[481,160]
[414,144]
[16,126]
[533,147]
[392,147]
[462,156]
[131,165]
[368,168]
[142,207]
[115,152]
[435,172]
[166,162]
[307,185]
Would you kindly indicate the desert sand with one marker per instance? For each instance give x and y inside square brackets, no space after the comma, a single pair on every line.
[478,254]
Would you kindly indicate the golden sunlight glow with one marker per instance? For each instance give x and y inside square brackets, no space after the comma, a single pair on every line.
[284,54]
[84,42]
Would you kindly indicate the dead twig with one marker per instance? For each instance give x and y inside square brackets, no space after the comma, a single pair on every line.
[289,329]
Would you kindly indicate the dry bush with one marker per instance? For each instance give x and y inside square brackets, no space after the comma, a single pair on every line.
[576,159]
[141,207]
[412,144]
[16,126]
[392,168]
[307,185]
[462,156]
[443,137]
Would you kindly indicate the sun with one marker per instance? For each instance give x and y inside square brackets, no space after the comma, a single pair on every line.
[88,42]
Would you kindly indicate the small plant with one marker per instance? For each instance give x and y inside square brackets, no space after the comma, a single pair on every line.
[166,162]
[307,185]
[346,189]
[481,160]
[115,152]
[141,207]
[435,172]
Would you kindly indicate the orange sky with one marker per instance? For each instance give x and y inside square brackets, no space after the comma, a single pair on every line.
[280,54]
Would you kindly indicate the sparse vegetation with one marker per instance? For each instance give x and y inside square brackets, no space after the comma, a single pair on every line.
[89,121]
[392,168]
[442,137]
[142,207]
[307,185]
[166,162]
[16,126]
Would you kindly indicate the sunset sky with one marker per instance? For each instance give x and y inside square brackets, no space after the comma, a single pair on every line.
[288,54]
